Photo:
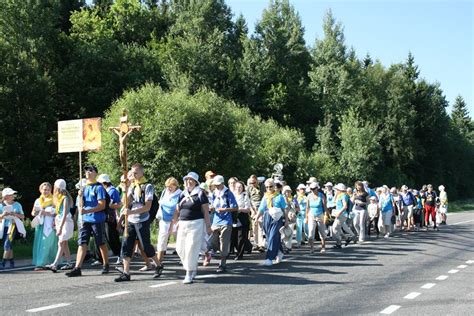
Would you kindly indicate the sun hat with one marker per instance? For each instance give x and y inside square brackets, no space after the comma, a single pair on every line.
[286,188]
[60,184]
[329,184]
[8,191]
[218,180]
[313,185]
[300,186]
[340,187]
[311,180]
[104,178]
[192,175]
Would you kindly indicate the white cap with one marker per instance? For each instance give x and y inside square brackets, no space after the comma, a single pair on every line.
[404,187]
[311,180]
[340,187]
[301,186]
[192,175]
[329,184]
[60,184]
[313,185]
[286,188]
[441,188]
[104,178]
[218,180]
[8,191]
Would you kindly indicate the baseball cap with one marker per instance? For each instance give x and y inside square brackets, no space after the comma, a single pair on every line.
[217,180]
[8,191]
[60,184]
[104,178]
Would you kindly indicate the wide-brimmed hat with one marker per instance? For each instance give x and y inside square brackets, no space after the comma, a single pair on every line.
[192,175]
[311,180]
[340,187]
[8,191]
[314,185]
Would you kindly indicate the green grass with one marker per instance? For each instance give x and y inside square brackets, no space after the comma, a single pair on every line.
[461,205]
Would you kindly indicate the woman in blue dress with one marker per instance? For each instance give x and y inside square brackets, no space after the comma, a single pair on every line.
[273,209]
[45,242]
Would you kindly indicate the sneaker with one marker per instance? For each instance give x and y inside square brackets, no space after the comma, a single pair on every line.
[74,273]
[221,269]
[147,267]
[123,277]
[96,263]
[267,262]
[348,241]
[207,259]
[105,269]
[323,250]
[386,236]
[67,266]
[337,246]
[188,279]
[119,261]
[279,257]
[158,271]
[238,258]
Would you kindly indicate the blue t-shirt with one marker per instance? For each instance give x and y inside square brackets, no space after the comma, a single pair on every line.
[340,204]
[302,205]
[330,200]
[93,193]
[407,198]
[386,202]
[278,201]
[316,204]
[114,195]
[15,207]
[168,202]
[224,200]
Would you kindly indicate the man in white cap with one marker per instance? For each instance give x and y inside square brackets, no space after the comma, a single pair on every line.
[114,204]
[11,213]
[223,202]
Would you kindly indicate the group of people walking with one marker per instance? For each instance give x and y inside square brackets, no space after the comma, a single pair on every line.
[208,218]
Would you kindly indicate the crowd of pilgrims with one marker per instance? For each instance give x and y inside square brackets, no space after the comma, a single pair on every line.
[212,219]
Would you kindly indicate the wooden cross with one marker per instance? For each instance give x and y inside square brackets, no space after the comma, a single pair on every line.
[123,131]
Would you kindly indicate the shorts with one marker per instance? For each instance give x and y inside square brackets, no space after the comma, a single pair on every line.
[7,245]
[140,232]
[97,229]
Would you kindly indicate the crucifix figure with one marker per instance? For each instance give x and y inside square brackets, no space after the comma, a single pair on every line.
[123,131]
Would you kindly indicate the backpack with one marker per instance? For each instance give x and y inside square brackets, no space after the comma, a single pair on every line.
[154,204]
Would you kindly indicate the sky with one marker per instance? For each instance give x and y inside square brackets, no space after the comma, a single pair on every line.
[439,34]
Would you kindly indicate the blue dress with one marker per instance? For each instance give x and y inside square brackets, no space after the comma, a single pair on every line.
[272,227]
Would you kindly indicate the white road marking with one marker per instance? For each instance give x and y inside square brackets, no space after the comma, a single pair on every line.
[462,266]
[442,277]
[163,284]
[470,261]
[206,276]
[453,271]
[113,294]
[45,308]
[390,309]
[472,220]
[412,295]
[428,286]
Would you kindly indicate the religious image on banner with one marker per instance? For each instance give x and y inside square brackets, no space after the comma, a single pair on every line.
[91,134]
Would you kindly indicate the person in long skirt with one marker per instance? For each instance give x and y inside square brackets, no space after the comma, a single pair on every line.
[273,209]
[45,242]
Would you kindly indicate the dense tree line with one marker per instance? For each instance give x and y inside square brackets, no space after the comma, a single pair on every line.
[259,97]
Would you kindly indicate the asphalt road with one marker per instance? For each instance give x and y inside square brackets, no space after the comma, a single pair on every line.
[401,276]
